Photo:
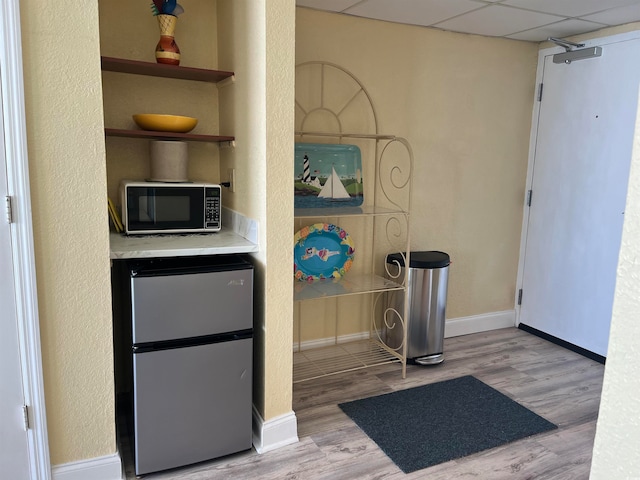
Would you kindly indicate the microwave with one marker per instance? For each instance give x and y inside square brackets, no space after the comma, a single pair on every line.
[158,207]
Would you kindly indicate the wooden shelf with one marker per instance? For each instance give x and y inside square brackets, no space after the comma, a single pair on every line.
[192,137]
[136,67]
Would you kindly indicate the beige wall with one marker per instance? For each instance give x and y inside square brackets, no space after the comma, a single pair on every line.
[68,188]
[257,43]
[242,103]
[464,103]
[278,291]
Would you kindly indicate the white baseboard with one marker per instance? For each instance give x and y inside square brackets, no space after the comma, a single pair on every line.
[453,327]
[275,433]
[456,327]
[108,467]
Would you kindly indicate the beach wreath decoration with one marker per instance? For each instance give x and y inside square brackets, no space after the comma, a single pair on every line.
[322,251]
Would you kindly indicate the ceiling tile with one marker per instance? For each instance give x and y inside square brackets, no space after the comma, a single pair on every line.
[617,16]
[496,20]
[569,8]
[415,12]
[329,5]
[530,20]
[562,29]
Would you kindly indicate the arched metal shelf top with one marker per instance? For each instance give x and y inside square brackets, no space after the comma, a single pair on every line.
[336,103]
[307,112]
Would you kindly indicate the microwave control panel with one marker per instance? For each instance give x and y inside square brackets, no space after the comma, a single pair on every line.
[212,208]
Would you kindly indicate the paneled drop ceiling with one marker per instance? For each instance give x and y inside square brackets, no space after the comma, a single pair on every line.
[530,20]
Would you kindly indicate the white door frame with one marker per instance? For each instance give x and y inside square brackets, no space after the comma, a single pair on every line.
[533,139]
[13,111]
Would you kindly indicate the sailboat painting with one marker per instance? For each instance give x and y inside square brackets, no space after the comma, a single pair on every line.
[327,176]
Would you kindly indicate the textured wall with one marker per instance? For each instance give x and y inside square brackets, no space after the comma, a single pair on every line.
[257,43]
[615,453]
[280,77]
[242,112]
[464,102]
[241,40]
[68,185]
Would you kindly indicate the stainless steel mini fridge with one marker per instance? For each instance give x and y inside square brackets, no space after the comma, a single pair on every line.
[191,329]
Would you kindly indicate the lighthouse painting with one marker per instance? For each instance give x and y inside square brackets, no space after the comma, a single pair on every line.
[327,176]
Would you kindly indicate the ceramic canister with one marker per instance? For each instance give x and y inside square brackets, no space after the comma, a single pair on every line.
[169,161]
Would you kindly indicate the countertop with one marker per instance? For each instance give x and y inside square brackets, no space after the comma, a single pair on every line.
[148,246]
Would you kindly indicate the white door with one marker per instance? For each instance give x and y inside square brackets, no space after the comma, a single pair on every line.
[579,185]
[14,446]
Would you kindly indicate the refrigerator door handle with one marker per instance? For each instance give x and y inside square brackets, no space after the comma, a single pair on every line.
[192,342]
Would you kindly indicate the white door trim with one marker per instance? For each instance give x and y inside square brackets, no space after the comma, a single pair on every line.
[13,111]
[533,139]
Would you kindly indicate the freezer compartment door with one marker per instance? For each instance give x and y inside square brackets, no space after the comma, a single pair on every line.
[167,307]
[191,404]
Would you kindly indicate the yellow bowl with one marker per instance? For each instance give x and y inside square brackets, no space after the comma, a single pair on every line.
[165,123]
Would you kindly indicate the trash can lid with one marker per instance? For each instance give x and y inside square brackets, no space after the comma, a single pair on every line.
[428,259]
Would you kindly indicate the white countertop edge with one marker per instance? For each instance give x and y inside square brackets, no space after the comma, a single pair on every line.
[148,246]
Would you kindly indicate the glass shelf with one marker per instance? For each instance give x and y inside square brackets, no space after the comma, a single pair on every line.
[365,211]
[366,136]
[347,285]
[320,362]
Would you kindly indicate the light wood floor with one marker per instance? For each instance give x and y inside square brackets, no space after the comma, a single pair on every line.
[557,384]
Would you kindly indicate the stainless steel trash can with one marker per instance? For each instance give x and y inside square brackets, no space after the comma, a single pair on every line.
[427,300]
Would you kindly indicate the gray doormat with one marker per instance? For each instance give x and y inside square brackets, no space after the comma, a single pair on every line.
[423,426]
